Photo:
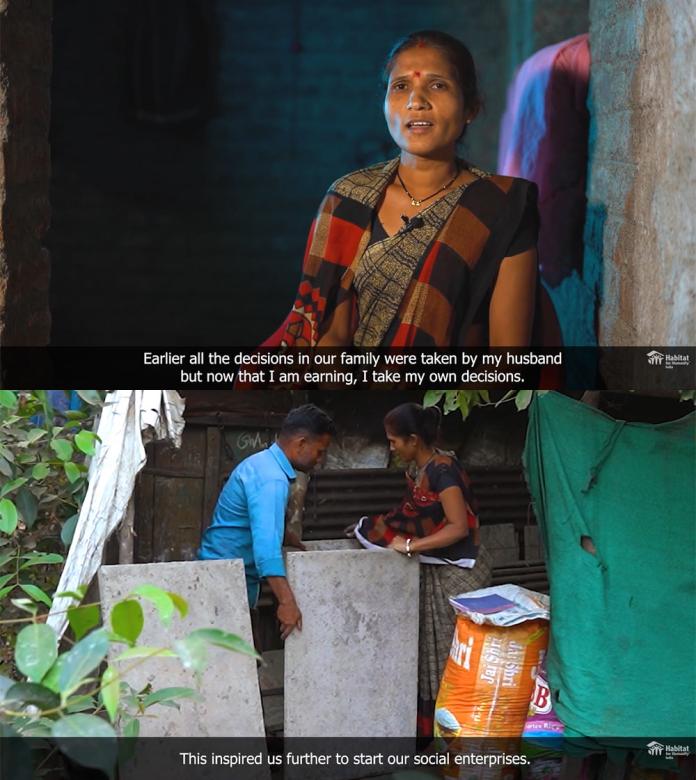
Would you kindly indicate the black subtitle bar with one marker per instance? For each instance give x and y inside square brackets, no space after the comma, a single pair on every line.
[648,369]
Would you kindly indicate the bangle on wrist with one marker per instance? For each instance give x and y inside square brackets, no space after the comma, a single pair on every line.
[408,548]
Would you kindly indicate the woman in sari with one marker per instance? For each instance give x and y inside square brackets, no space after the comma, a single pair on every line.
[425,249]
[436,523]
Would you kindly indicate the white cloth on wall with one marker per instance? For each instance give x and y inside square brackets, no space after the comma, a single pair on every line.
[129,420]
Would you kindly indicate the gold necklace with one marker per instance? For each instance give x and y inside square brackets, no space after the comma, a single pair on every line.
[417,201]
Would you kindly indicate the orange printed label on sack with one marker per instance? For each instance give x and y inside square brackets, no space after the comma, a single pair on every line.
[489,679]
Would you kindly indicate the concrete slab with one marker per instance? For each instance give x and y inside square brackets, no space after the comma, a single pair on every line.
[273,710]
[334,544]
[272,672]
[353,670]
[533,548]
[501,543]
[216,596]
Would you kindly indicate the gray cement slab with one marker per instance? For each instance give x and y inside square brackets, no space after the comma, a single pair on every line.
[501,543]
[533,548]
[353,670]
[216,596]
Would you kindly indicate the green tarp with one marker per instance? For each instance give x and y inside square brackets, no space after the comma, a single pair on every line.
[622,654]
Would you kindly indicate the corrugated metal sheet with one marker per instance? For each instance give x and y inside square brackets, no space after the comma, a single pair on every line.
[529,574]
[338,498]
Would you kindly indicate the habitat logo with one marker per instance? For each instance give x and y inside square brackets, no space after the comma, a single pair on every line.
[676,751]
[667,751]
[667,360]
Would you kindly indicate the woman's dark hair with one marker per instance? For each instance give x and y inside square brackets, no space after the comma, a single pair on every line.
[307,419]
[408,419]
[456,53]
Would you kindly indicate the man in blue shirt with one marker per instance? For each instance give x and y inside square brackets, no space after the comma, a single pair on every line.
[249,518]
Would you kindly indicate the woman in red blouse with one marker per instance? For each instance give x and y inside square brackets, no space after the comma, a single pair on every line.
[437,524]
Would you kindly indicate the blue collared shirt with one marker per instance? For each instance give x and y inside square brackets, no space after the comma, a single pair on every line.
[249,518]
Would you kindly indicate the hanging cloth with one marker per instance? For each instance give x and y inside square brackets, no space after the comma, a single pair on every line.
[621,659]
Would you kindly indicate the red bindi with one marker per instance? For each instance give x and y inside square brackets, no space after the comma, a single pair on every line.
[416,73]
[421,43]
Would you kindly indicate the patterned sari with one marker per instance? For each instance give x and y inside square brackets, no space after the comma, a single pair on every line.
[423,286]
[460,567]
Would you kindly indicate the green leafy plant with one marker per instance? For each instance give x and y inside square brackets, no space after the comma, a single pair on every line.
[77,692]
[465,400]
[43,480]
[14,571]
[42,459]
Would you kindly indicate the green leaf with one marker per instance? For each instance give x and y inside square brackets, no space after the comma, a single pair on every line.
[63,448]
[26,604]
[160,598]
[455,399]
[35,434]
[5,591]
[82,659]
[6,558]
[33,693]
[143,651]
[40,559]
[82,726]
[523,399]
[72,472]
[13,484]
[91,397]
[74,414]
[8,516]
[68,530]
[51,679]
[99,754]
[432,397]
[192,652]
[78,594]
[169,694]
[8,399]
[36,593]
[220,638]
[131,728]
[80,704]
[86,441]
[6,578]
[40,471]
[110,691]
[25,458]
[36,650]
[127,619]
[37,728]
[28,507]
[6,453]
[5,468]
[180,603]
[83,619]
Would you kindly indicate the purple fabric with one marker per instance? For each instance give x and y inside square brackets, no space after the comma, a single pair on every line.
[544,138]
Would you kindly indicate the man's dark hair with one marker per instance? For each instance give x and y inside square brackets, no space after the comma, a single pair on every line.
[308,419]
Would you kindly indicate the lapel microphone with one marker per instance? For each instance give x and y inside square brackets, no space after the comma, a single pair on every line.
[413,222]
